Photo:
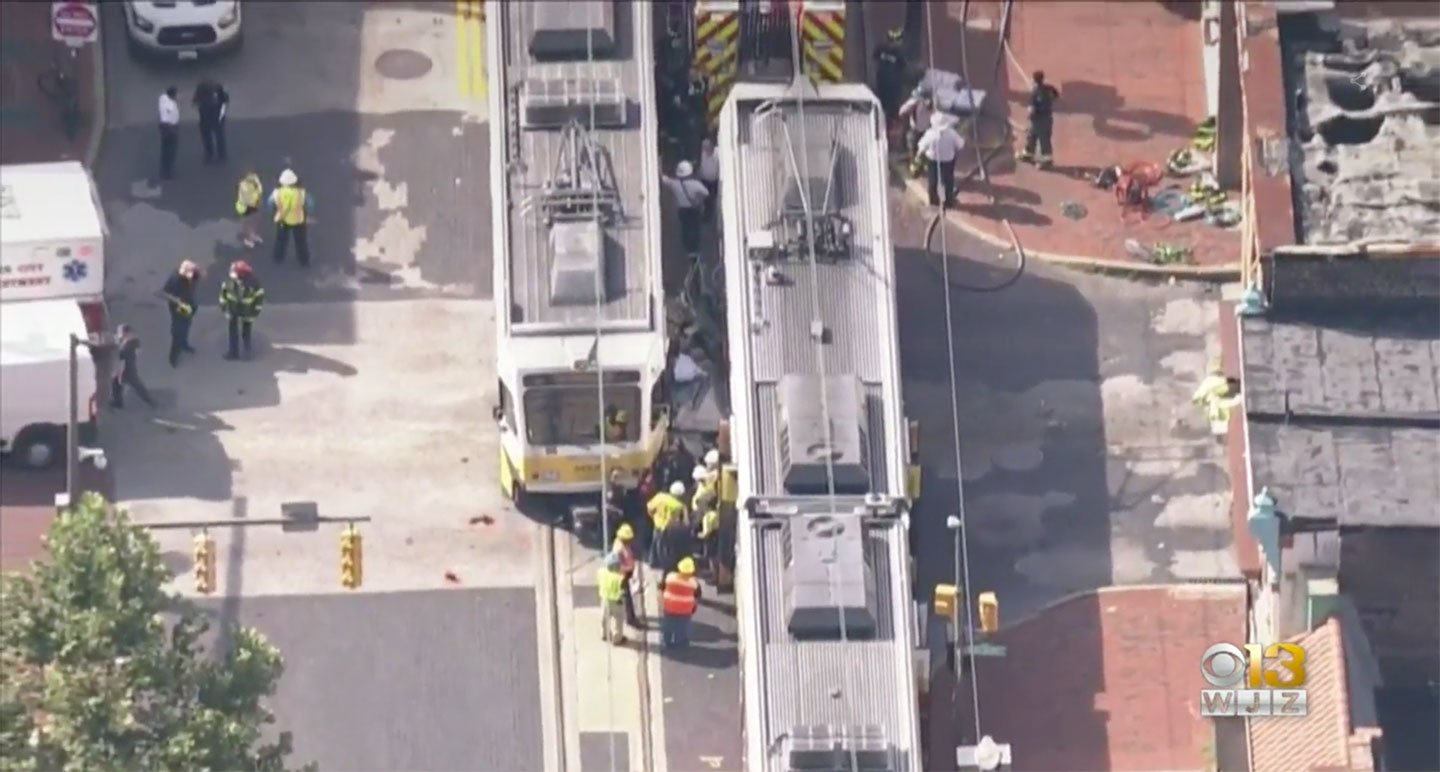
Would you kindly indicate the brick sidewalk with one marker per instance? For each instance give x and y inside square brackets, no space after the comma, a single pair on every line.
[30,129]
[1132,89]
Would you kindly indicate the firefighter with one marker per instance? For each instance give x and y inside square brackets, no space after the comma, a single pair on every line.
[680,596]
[1038,148]
[664,507]
[241,298]
[890,69]
[611,586]
[623,550]
[179,294]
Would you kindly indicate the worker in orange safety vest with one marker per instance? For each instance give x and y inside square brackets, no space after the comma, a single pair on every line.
[680,595]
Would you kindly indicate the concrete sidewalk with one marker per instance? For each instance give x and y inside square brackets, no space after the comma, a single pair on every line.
[30,130]
[1132,89]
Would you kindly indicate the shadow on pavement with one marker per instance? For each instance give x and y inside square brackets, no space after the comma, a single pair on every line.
[1030,409]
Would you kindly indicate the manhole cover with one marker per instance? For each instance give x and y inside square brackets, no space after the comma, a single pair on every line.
[402,64]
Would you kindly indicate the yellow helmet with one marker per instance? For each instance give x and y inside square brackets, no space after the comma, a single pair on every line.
[687,566]
[625,532]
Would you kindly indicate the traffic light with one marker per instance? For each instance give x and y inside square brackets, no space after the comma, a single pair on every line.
[204,563]
[945,603]
[351,558]
[989,612]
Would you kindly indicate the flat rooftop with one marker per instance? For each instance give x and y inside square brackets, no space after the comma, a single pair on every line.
[1343,407]
[1365,122]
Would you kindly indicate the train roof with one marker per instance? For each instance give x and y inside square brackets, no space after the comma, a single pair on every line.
[577,176]
[818,431]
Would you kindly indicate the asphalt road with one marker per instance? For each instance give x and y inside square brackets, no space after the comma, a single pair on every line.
[1082,462]
[368,394]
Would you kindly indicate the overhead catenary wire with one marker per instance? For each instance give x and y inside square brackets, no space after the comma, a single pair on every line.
[963,569]
[807,206]
[982,157]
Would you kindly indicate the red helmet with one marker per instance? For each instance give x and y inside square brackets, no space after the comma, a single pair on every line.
[241,268]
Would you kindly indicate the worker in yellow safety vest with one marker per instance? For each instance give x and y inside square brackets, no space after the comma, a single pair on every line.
[248,195]
[704,496]
[680,596]
[1216,395]
[662,508]
[624,553]
[612,593]
[291,206]
[710,542]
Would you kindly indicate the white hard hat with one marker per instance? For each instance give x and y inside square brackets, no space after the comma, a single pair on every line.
[677,488]
[712,457]
[699,474]
[684,169]
[288,177]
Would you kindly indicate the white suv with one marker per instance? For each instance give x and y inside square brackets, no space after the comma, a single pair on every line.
[183,28]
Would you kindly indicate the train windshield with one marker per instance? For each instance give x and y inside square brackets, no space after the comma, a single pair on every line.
[568,409]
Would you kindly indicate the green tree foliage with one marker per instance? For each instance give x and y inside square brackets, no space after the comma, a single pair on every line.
[101,668]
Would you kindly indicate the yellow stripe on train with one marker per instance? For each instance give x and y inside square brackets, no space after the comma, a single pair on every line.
[824,35]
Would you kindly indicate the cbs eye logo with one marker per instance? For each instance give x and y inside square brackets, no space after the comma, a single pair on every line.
[1227,666]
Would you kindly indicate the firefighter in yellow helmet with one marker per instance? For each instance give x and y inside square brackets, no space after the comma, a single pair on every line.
[679,597]
[663,508]
[623,551]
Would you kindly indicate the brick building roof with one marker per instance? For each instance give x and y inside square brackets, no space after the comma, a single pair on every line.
[1324,739]
[1108,680]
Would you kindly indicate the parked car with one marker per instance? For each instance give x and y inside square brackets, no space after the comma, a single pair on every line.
[184,29]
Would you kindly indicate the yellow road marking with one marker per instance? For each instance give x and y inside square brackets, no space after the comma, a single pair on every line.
[470,48]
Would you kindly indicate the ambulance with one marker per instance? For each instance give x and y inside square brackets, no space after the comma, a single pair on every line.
[52,283]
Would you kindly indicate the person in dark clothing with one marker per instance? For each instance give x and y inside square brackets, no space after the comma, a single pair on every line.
[677,464]
[677,542]
[890,68]
[1038,148]
[698,101]
[211,103]
[179,294]
[127,370]
[241,298]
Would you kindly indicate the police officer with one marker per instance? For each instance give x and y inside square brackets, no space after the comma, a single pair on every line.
[890,72]
[292,207]
[211,103]
[1038,148]
[241,298]
[179,294]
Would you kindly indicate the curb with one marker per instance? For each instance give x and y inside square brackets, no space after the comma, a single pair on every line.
[97,93]
[1230,272]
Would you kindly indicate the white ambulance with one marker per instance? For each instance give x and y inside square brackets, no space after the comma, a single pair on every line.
[52,283]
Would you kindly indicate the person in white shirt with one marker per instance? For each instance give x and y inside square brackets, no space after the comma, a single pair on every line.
[169,131]
[941,145]
[690,195]
[916,113]
[709,174]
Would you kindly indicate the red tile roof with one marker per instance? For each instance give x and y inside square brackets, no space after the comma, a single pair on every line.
[1108,680]
[1324,738]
